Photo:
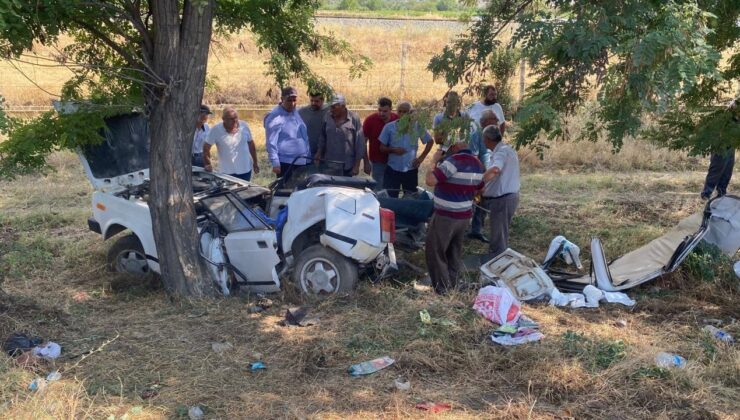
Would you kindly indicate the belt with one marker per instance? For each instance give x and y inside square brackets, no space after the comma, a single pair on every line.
[500,196]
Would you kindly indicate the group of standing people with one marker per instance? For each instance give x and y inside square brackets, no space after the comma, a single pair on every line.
[329,134]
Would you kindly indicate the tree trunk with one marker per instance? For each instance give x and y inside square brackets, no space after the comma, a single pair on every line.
[179,57]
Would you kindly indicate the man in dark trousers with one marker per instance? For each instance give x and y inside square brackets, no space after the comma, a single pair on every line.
[721,166]
[456,179]
[501,193]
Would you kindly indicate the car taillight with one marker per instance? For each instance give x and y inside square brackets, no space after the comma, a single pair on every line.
[387,225]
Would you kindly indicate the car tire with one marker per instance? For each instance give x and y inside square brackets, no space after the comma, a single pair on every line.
[127,256]
[320,271]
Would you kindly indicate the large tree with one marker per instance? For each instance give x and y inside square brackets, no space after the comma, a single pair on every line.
[151,54]
[663,68]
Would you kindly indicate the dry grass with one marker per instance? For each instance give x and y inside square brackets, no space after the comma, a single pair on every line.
[57,287]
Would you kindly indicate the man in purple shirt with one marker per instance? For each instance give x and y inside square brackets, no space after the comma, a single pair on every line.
[286,135]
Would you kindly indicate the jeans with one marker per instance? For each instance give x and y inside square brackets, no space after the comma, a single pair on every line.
[247,176]
[394,180]
[197,159]
[719,173]
[377,173]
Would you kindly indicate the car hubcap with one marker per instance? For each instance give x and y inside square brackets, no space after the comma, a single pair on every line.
[132,262]
[319,276]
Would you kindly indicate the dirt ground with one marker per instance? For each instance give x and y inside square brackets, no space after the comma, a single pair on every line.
[123,340]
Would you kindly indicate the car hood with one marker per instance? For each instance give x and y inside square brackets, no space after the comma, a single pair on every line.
[122,159]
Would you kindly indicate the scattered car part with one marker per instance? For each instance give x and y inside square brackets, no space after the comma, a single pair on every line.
[520,274]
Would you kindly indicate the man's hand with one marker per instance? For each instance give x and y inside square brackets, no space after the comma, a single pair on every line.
[276,170]
[317,159]
[438,155]
[417,162]
[368,168]
[208,167]
[355,171]
[256,168]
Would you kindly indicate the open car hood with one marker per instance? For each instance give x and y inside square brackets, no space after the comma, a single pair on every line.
[122,159]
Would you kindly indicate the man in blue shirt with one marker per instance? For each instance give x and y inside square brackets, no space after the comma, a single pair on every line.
[402,171]
[286,135]
[479,149]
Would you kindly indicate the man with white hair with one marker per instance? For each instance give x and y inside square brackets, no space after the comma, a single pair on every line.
[501,193]
[233,140]
[479,149]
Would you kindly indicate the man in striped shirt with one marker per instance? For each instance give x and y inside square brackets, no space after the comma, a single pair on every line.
[456,179]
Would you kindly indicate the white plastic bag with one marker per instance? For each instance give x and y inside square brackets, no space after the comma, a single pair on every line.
[593,296]
[619,297]
[574,300]
[498,305]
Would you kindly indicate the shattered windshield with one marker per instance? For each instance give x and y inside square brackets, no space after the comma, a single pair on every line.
[232,214]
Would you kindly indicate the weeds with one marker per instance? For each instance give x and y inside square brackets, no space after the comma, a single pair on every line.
[707,263]
[594,354]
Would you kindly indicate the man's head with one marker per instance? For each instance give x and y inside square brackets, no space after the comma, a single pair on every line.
[289,98]
[230,118]
[452,103]
[404,108]
[487,118]
[317,100]
[338,106]
[385,107]
[205,112]
[491,136]
[490,94]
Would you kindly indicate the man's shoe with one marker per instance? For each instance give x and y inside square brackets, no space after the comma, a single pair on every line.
[478,236]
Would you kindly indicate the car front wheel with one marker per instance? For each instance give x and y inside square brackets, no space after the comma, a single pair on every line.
[127,256]
[320,271]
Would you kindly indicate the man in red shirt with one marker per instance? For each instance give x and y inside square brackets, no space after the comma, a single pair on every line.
[371,128]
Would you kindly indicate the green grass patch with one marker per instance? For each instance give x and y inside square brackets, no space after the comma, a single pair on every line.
[595,355]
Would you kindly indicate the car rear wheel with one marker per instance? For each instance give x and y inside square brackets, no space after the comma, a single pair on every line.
[320,271]
[127,256]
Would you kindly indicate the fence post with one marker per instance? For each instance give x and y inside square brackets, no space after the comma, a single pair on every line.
[522,73]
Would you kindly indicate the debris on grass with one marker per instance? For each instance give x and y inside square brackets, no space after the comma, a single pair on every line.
[255,366]
[719,334]
[497,305]
[221,347]
[50,350]
[298,317]
[371,366]
[18,343]
[402,384]
[433,407]
[195,413]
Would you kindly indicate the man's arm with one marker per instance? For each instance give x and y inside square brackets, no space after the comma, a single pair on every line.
[491,173]
[431,177]
[207,157]
[255,161]
[272,131]
[425,152]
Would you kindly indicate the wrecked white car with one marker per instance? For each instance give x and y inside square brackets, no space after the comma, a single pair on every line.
[322,231]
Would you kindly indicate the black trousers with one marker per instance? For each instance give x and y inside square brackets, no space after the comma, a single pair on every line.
[719,174]
[394,180]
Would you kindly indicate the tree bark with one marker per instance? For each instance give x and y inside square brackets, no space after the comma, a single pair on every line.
[180,55]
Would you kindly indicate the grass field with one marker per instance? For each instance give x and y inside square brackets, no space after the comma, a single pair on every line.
[588,366]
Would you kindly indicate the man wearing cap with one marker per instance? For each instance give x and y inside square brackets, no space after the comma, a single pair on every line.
[501,193]
[201,133]
[371,128]
[233,140]
[313,116]
[341,143]
[402,171]
[286,135]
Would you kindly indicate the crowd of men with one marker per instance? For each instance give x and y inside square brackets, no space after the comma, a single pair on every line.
[332,137]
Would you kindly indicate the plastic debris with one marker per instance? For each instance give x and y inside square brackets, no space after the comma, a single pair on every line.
[565,249]
[589,299]
[498,305]
[50,350]
[371,366]
[298,317]
[425,317]
[221,347]
[522,336]
[670,360]
[402,384]
[621,323]
[255,366]
[18,343]
[37,384]
[195,413]
[433,407]
[54,376]
[719,334]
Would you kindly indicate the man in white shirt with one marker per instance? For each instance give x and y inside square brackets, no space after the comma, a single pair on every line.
[501,193]
[201,133]
[237,155]
[489,101]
